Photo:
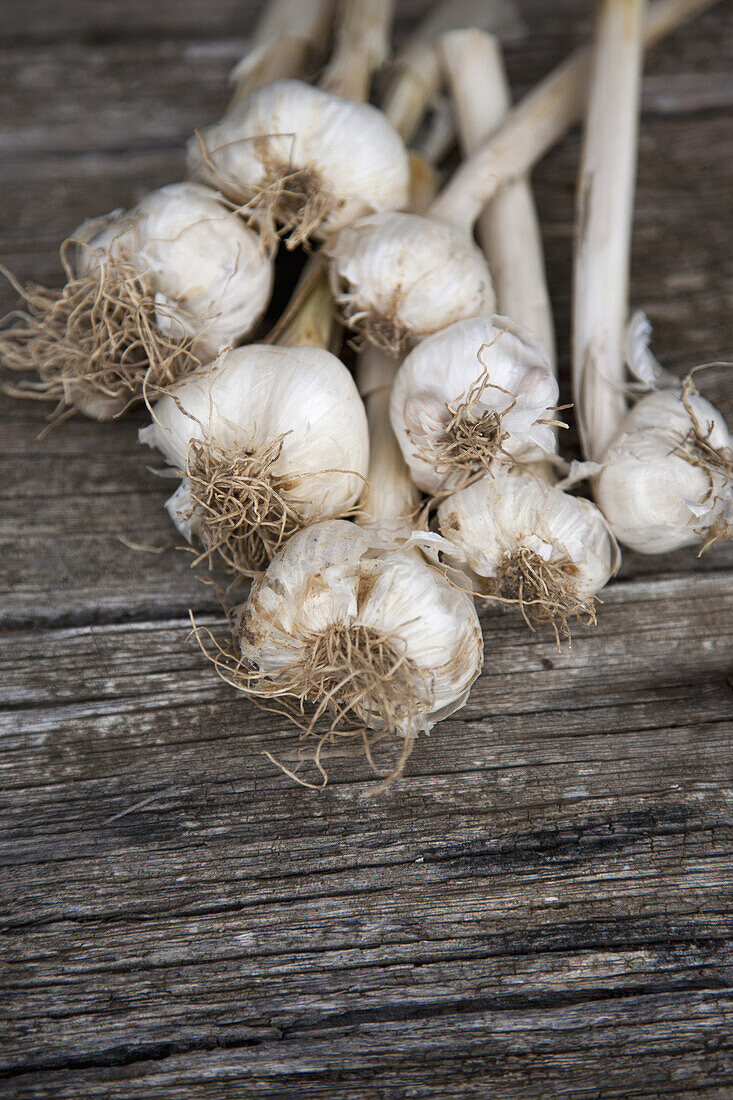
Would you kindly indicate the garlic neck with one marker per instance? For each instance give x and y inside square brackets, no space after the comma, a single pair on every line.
[391,497]
[313,322]
[362,46]
[286,43]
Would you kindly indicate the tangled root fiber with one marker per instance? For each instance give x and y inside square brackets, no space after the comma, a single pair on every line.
[347,690]
[244,517]
[544,591]
[94,345]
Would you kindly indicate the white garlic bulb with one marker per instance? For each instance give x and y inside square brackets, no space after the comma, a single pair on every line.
[521,540]
[303,159]
[398,278]
[479,392]
[377,637]
[666,480]
[152,293]
[269,439]
[210,275]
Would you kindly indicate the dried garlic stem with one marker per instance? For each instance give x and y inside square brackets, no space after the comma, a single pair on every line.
[604,219]
[509,228]
[392,498]
[313,324]
[362,46]
[286,43]
[417,75]
[539,121]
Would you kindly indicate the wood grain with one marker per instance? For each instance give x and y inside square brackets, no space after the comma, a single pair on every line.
[544,907]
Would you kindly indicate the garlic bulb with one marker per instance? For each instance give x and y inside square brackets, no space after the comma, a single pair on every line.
[521,540]
[400,277]
[151,294]
[666,480]
[303,159]
[268,439]
[477,393]
[378,639]
[211,275]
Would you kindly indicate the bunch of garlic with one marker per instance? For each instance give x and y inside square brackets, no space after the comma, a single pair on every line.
[376,639]
[267,439]
[477,394]
[152,293]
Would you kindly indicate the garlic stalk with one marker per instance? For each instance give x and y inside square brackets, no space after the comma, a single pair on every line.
[151,294]
[392,500]
[306,161]
[267,440]
[375,642]
[362,46]
[605,214]
[508,228]
[540,120]
[416,70]
[286,43]
[477,394]
[523,542]
[386,268]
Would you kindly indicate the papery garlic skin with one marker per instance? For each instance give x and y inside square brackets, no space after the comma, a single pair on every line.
[491,520]
[210,274]
[400,277]
[437,377]
[254,395]
[332,575]
[656,488]
[347,150]
[213,275]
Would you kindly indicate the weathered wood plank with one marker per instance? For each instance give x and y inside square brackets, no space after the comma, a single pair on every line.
[544,907]
[592,845]
[129,20]
[543,1054]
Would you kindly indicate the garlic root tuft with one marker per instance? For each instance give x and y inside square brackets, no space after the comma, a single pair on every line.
[386,332]
[239,510]
[545,591]
[697,447]
[349,674]
[469,443]
[95,344]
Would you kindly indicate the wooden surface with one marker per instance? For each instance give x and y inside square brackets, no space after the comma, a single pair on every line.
[544,906]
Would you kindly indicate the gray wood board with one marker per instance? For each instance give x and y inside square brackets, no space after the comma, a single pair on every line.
[543,907]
